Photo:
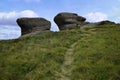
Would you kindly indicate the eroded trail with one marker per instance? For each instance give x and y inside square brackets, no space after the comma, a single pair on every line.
[66,68]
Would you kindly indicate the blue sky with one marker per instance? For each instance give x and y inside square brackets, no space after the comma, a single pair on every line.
[93,10]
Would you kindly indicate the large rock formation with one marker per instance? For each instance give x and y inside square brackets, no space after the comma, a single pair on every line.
[68,20]
[31,25]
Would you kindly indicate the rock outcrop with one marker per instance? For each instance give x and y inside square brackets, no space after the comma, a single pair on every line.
[105,22]
[31,25]
[69,20]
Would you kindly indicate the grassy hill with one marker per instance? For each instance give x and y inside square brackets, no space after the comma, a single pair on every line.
[87,54]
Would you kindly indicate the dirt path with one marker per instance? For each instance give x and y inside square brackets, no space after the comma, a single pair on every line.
[67,67]
[69,59]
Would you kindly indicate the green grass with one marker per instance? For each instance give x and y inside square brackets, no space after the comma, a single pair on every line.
[39,57]
[98,57]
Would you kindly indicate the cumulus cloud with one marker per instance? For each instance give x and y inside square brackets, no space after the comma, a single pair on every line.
[9,32]
[96,17]
[8,25]
[10,17]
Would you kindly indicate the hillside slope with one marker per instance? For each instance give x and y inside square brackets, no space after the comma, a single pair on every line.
[88,54]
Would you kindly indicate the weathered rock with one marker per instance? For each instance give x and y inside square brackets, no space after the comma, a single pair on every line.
[105,22]
[81,19]
[68,20]
[68,26]
[98,24]
[31,25]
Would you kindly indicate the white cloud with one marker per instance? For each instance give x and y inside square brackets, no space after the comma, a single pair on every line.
[9,32]
[117,20]
[114,14]
[54,27]
[96,17]
[8,25]
[10,17]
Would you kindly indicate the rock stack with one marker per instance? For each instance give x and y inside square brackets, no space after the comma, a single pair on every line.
[69,20]
[31,25]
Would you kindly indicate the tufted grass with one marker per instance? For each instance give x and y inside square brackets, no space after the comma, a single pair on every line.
[39,57]
[36,57]
[98,57]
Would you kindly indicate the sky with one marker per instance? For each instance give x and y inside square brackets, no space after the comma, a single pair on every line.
[93,10]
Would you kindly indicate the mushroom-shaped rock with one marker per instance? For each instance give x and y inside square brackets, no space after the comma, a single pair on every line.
[32,25]
[65,20]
